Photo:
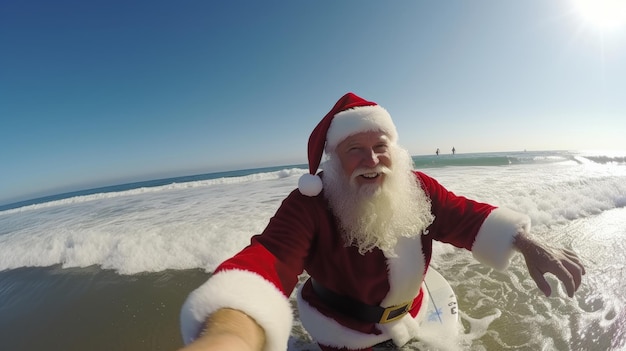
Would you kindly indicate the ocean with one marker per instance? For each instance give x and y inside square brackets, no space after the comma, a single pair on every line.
[108,268]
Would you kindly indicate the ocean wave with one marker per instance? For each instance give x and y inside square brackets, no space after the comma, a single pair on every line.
[602,159]
[110,192]
[497,159]
[199,223]
[484,161]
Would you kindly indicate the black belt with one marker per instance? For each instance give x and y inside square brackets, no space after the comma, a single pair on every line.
[357,309]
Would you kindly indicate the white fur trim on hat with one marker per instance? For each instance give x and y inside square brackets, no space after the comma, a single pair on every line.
[357,120]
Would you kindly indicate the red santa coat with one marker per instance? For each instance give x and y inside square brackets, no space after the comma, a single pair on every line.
[303,236]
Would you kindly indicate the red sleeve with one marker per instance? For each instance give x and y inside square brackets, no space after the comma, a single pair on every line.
[260,278]
[457,218]
[279,253]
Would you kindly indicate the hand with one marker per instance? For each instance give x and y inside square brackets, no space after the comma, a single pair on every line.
[229,330]
[220,342]
[541,259]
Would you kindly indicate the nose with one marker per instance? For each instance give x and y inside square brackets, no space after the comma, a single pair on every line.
[370,158]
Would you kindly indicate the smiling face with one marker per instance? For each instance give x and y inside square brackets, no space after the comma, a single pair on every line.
[372,191]
[365,157]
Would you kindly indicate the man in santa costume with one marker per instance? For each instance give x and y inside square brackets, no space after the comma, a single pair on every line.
[363,230]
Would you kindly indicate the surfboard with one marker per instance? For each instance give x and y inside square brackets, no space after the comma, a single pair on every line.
[441,315]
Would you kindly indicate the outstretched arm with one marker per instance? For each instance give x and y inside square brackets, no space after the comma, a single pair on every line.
[229,330]
[541,259]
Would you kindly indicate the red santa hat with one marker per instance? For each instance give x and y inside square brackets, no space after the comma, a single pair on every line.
[350,115]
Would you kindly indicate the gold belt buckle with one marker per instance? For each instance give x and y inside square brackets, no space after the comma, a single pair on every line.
[396,312]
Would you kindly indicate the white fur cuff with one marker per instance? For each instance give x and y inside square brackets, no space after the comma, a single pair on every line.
[245,291]
[494,243]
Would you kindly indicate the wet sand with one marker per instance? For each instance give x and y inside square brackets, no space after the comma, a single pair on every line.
[92,309]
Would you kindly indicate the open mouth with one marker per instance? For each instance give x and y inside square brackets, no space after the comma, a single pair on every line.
[370,175]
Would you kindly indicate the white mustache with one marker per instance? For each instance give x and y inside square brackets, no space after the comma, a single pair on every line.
[380,169]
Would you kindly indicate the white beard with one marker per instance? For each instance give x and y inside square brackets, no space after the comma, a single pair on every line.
[375,216]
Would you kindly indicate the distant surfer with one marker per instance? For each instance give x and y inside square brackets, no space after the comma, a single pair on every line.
[437,152]
[453,150]
[363,230]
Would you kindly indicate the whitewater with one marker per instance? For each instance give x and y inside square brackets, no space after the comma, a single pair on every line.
[137,233]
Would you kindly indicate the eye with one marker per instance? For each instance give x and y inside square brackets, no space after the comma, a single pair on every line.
[383,147]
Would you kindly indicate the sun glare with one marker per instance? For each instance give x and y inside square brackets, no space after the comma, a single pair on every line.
[602,14]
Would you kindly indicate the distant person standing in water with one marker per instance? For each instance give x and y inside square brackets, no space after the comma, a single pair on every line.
[437,152]
[453,150]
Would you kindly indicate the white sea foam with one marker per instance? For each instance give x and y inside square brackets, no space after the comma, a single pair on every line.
[200,223]
[197,224]
[148,229]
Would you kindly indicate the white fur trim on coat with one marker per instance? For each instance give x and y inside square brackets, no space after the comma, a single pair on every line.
[406,274]
[327,331]
[245,291]
[406,271]
[494,243]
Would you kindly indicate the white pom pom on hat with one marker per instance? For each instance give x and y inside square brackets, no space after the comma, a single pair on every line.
[310,184]
[350,115]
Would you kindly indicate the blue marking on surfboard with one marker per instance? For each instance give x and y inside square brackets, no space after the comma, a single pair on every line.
[435,315]
[437,311]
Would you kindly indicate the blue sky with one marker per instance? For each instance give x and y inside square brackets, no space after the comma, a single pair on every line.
[96,93]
